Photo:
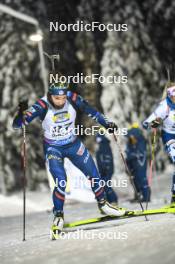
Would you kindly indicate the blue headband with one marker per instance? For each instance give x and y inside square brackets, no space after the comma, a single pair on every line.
[58,90]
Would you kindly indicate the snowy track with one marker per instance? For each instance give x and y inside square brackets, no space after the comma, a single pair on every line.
[136,241]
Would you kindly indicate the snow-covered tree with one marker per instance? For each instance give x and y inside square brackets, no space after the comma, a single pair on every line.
[20,79]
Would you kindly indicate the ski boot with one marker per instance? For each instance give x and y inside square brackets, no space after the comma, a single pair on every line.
[112,204]
[57,227]
[111,210]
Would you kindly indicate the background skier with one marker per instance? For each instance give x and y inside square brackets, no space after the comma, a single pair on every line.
[164,115]
[136,158]
[105,165]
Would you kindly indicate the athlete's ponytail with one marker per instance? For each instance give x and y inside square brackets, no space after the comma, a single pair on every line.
[168,85]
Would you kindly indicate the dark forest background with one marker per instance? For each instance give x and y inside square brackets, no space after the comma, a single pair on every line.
[141,53]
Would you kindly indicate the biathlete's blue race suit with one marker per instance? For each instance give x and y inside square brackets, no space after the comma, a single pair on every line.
[58,145]
[105,165]
[137,162]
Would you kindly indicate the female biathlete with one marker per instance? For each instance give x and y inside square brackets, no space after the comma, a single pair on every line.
[164,115]
[57,112]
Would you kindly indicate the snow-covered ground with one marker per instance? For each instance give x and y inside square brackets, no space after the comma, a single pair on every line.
[122,241]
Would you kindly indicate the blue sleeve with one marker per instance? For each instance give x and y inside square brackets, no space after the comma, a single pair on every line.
[130,154]
[105,163]
[83,105]
[39,109]
[145,125]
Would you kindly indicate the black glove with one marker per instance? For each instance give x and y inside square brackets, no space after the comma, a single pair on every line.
[23,106]
[155,123]
[112,127]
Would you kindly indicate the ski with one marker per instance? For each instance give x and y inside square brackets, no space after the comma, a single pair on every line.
[129,214]
[172,205]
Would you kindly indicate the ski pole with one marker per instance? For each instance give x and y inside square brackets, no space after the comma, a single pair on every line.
[128,172]
[23,159]
[153,144]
